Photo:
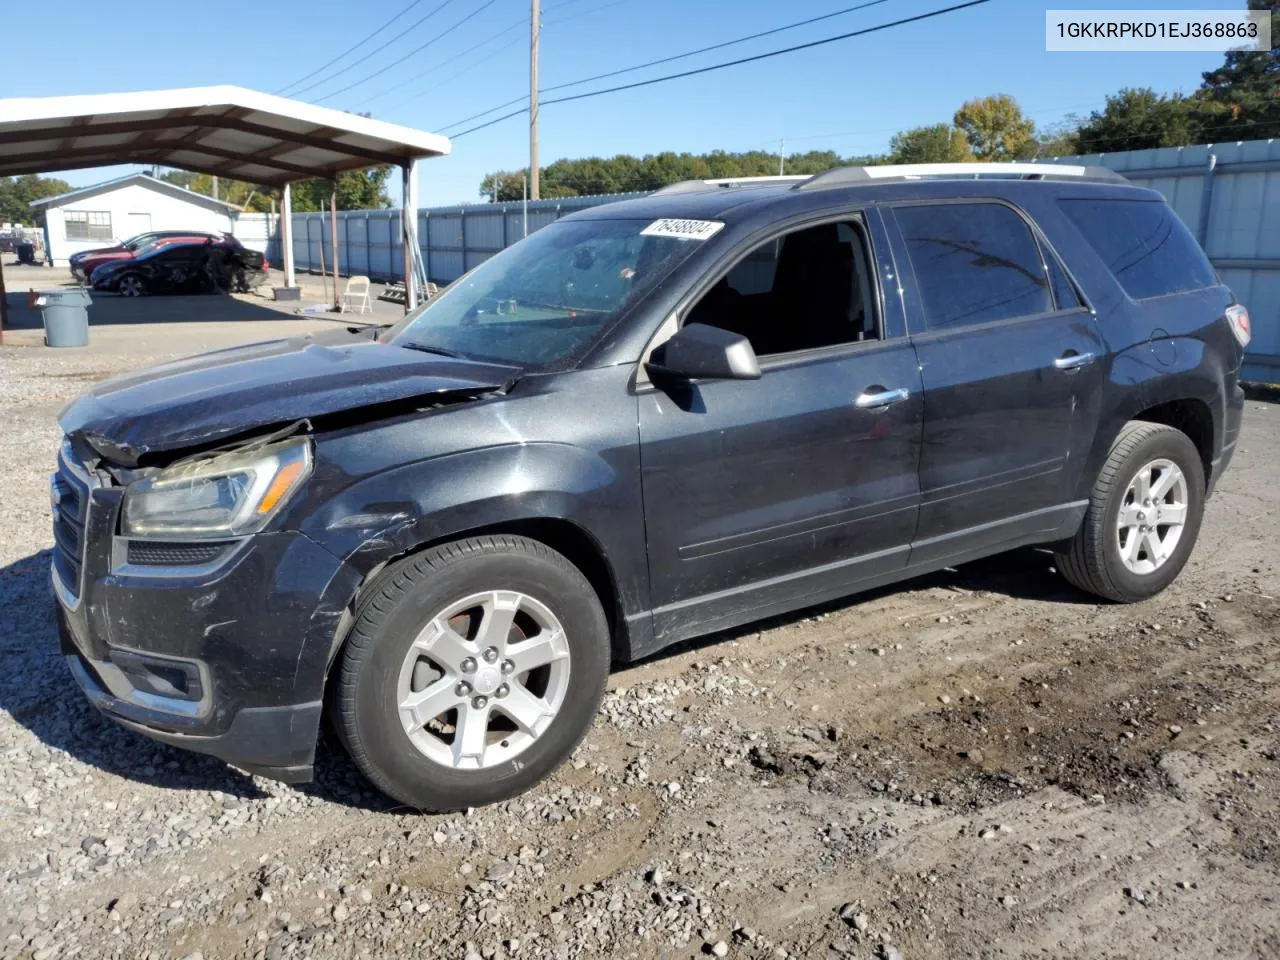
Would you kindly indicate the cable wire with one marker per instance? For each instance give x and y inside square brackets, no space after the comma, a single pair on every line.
[678,56]
[523,22]
[349,49]
[444,63]
[462,72]
[731,63]
[351,66]
[412,53]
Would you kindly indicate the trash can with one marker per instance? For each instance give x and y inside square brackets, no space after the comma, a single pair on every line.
[26,251]
[66,317]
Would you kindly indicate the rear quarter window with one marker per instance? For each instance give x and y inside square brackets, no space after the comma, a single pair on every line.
[1149,251]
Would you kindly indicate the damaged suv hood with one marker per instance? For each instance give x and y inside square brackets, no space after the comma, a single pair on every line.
[218,395]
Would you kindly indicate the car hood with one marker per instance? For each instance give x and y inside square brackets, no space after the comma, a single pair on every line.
[97,252]
[229,393]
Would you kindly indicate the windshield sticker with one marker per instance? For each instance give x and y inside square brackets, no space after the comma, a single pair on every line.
[683,229]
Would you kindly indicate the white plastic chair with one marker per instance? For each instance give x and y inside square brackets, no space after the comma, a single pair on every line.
[358,292]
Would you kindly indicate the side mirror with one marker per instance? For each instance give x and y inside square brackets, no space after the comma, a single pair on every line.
[703,352]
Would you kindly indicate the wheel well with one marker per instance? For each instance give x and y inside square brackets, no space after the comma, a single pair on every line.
[1193,418]
[566,538]
[580,549]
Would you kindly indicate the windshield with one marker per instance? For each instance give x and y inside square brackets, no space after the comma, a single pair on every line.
[547,299]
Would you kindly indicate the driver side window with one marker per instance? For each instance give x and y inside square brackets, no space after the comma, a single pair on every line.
[807,289]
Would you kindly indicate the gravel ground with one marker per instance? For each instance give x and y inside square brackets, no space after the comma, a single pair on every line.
[979,763]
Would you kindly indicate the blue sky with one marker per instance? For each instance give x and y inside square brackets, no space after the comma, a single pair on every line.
[849,96]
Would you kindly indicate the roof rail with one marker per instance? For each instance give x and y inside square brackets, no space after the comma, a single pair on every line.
[847,176]
[697,186]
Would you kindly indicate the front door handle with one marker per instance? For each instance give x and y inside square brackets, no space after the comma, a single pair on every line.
[878,396]
[1073,361]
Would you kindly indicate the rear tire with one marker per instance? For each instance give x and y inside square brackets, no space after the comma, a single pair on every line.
[1123,551]
[435,707]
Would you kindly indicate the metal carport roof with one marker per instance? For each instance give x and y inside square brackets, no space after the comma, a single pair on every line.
[225,130]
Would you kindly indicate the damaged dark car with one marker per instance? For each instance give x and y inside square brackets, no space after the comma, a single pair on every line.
[646,422]
[222,266]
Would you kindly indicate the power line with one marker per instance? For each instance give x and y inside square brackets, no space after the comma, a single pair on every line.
[412,53]
[523,21]
[444,63]
[733,63]
[351,66]
[349,49]
[678,56]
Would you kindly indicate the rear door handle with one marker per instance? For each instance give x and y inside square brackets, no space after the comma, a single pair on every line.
[1072,360]
[878,396]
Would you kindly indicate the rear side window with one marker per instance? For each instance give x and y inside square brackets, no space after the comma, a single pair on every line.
[1144,245]
[974,263]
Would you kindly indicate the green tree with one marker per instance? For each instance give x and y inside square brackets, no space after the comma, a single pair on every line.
[17,194]
[939,143]
[357,190]
[624,173]
[1138,118]
[1241,99]
[996,128]
[250,196]
[1059,140]
[503,185]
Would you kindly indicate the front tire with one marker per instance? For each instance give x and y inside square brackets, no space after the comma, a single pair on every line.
[472,671]
[1143,518]
[131,285]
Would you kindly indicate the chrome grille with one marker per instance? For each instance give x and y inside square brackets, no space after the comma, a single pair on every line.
[69,494]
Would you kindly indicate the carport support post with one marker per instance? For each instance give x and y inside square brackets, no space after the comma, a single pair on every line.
[333,236]
[409,230]
[4,303]
[286,235]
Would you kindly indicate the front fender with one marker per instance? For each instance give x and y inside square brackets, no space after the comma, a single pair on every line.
[384,515]
[392,513]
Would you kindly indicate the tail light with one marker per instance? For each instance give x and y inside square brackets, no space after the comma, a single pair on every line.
[1238,317]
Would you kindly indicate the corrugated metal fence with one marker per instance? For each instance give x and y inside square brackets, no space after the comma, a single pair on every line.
[1228,194]
[453,239]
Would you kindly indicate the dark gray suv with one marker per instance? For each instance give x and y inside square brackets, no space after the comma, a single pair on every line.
[648,421]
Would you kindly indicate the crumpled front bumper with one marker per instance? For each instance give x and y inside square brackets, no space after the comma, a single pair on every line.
[275,742]
[226,658]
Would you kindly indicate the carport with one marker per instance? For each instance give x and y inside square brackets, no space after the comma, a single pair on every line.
[225,131]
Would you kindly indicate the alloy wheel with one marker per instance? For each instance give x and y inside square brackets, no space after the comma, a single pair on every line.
[483,680]
[130,286]
[1152,516]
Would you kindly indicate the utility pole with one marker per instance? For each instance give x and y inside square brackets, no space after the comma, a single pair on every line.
[524,206]
[535,27]
[782,158]
[215,187]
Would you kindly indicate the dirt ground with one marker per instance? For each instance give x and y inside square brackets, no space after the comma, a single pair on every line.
[982,763]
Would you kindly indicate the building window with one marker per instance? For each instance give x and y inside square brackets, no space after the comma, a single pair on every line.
[88,224]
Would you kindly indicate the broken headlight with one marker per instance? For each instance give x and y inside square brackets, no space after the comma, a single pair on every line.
[228,495]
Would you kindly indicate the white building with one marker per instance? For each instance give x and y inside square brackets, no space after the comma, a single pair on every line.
[100,215]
